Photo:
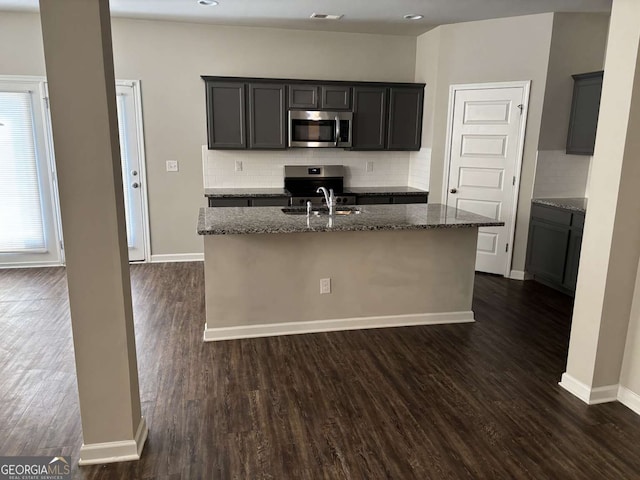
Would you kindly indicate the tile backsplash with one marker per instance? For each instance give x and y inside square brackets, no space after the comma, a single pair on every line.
[419,168]
[262,168]
[561,175]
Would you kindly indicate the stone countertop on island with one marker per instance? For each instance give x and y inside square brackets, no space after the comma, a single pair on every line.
[382,191]
[234,221]
[577,204]
[262,192]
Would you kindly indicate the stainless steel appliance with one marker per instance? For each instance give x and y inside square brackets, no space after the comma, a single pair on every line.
[320,129]
[303,181]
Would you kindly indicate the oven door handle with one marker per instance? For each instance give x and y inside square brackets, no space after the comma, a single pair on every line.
[337,130]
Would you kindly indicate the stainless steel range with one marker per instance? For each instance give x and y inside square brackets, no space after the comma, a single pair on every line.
[303,181]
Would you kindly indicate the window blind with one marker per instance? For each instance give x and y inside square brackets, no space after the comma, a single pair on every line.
[21,215]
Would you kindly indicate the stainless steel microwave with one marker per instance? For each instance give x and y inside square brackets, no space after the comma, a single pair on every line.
[320,129]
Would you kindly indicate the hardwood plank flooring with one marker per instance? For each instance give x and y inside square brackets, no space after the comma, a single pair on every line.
[466,401]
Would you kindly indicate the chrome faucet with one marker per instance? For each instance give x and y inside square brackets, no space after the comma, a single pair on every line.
[329,198]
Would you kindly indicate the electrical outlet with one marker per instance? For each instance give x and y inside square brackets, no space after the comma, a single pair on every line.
[172,165]
[369,166]
[325,285]
[238,165]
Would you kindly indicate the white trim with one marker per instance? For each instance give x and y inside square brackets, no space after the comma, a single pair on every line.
[526,89]
[589,395]
[629,399]
[30,265]
[177,257]
[111,452]
[334,325]
[520,275]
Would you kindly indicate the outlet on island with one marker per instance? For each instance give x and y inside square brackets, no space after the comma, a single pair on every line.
[238,165]
[172,165]
[325,285]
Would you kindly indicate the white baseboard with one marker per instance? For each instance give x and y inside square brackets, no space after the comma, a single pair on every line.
[629,399]
[177,257]
[315,326]
[590,396]
[31,265]
[520,275]
[111,452]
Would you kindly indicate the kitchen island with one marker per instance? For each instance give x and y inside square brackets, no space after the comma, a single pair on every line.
[388,265]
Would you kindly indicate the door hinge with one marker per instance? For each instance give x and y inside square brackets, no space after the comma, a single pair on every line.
[514,181]
[46,102]
[506,248]
[61,245]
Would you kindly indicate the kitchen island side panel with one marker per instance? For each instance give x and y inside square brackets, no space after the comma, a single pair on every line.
[259,279]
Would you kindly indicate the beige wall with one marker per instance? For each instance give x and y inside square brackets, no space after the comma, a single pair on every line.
[630,377]
[169,57]
[578,45]
[510,49]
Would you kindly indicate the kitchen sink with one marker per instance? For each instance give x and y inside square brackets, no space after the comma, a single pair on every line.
[321,211]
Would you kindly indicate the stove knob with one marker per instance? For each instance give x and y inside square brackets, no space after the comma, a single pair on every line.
[338,200]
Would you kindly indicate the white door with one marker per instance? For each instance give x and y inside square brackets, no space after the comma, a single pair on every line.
[133,178]
[486,142]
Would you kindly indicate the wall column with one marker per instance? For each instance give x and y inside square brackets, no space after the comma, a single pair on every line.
[611,245]
[79,63]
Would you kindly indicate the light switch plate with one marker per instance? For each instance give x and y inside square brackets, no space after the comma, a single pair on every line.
[238,165]
[172,165]
[325,285]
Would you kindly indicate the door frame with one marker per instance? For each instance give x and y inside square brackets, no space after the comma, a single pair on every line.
[526,91]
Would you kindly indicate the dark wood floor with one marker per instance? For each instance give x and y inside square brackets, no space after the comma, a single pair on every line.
[438,402]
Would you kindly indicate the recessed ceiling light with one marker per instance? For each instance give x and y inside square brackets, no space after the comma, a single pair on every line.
[208,3]
[326,16]
[413,16]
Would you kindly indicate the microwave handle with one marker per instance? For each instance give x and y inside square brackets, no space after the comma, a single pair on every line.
[337,130]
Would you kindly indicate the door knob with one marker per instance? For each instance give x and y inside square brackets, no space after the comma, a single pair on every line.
[135,184]
[453,190]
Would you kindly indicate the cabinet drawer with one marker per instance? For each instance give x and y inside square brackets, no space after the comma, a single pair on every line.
[551,214]
[404,199]
[228,202]
[270,202]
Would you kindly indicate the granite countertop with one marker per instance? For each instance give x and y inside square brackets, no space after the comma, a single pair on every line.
[246,192]
[399,190]
[230,221]
[574,204]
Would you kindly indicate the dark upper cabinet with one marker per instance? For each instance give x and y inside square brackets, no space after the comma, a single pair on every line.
[303,96]
[335,97]
[226,126]
[369,118]
[405,118]
[267,116]
[585,107]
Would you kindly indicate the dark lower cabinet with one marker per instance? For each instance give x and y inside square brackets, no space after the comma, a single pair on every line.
[405,118]
[249,202]
[267,116]
[553,249]
[226,115]
[390,199]
[369,118]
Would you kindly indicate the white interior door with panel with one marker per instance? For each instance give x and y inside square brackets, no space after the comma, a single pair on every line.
[485,146]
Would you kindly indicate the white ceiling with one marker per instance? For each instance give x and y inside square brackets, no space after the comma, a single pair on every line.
[370,16]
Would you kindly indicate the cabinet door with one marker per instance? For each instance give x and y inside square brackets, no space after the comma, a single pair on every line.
[573,260]
[228,202]
[303,96]
[226,115]
[585,108]
[270,202]
[405,118]
[547,250]
[335,97]
[405,199]
[373,200]
[267,126]
[369,118]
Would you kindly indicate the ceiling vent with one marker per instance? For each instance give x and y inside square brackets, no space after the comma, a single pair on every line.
[326,16]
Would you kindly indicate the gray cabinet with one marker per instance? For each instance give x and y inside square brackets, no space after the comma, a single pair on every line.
[370,118]
[249,202]
[303,97]
[585,107]
[553,249]
[267,116]
[405,118]
[335,97]
[226,126]
[364,199]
